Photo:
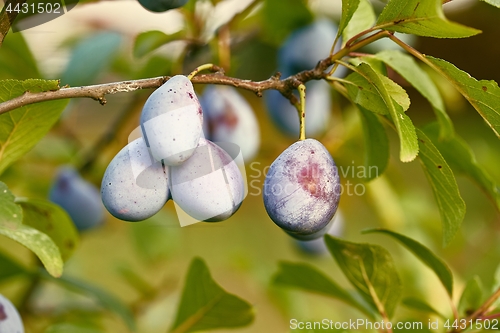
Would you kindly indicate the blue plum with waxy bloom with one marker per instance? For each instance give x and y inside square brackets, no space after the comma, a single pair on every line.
[78,197]
[134,186]
[302,190]
[10,320]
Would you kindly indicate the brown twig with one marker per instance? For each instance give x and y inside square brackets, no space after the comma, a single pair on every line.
[483,309]
[285,86]
[98,92]
[8,17]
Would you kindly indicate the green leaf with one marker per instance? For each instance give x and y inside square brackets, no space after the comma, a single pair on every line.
[376,144]
[151,40]
[205,305]
[16,59]
[53,221]
[483,95]
[472,296]
[408,68]
[90,58]
[349,8]
[370,269]
[280,17]
[10,267]
[11,216]
[397,93]
[105,299]
[22,128]
[495,3]
[450,203]
[421,18]
[461,159]
[425,255]
[386,90]
[308,278]
[418,304]
[363,18]
[363,93]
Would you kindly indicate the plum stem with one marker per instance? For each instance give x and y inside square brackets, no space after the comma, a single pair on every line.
[198,69]
[302,111]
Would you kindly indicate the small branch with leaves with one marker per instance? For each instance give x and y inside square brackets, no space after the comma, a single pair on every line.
[285,86]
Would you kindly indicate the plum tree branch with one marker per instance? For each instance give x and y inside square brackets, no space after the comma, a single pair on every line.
[285,86]
[98,92]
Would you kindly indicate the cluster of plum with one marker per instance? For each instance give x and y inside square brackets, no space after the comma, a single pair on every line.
[172,155]
[10,320]
[172,159]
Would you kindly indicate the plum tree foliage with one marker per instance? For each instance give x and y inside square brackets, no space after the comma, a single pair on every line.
[326,83]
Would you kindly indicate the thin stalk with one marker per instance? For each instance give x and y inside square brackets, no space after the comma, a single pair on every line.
[302,111]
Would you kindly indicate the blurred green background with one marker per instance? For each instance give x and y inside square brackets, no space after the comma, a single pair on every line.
[242,252]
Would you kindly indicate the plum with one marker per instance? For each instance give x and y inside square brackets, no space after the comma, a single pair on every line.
[318,106]
[78,197]
[317,246]
[304,48]
[230,118]
[302,190]
[134,186]
[171,121]
[301,51]
[10,320]
[209,186]
[162,5]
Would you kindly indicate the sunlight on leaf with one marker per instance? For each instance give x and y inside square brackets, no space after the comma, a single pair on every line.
[369,268]
[421,18]
[205,305]
[442,180]
[425,255]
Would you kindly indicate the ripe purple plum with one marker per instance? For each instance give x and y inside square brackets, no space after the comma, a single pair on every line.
[78,197]
[134,186]
[230,118]
[10,320]
[209,186]
[302,190]
[171,121]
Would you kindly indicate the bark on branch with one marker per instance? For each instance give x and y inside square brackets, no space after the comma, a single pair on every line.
[98,92]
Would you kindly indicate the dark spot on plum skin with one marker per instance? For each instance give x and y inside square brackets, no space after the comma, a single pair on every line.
[3,315]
